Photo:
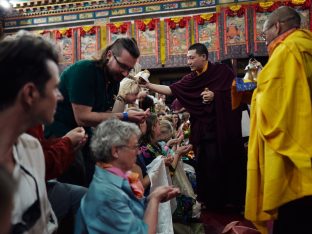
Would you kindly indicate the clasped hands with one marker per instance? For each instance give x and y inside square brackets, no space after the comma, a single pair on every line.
[207,96]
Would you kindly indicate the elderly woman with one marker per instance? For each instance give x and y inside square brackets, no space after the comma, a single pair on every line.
[114,202]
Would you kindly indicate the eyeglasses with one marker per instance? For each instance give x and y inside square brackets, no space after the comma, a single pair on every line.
[263,33]
[133,147]
[32,214]
[282,21]
[122,65]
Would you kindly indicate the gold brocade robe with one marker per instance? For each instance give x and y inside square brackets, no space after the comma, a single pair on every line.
[280,145]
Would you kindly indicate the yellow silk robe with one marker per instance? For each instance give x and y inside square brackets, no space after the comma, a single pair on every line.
[280,144]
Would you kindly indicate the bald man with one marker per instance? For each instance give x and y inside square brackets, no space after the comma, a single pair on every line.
[279,181]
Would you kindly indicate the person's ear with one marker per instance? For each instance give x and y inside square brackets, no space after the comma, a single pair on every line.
[114,152]
[278,27]
[29,94]
[109,54]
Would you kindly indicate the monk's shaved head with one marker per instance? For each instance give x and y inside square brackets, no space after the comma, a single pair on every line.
[281,20]
[288,16]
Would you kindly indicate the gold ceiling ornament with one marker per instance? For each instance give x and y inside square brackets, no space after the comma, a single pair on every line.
[206,16]
[266,5]
[298,2]
[235,7]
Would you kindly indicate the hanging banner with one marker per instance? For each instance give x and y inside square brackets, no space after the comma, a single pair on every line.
[118,30]
[148,38]
[88,42]
[207,32]
[64,39]
[177,40]
[235,34]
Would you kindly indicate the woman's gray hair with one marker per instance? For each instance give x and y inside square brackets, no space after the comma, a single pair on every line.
[111,133]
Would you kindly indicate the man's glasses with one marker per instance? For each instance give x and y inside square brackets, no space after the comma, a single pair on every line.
[263,33]
[31,215]
[122,65]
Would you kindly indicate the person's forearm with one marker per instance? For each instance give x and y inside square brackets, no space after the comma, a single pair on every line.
[92,119]
[119,106]
[162,89]
[151,215]
[176,159]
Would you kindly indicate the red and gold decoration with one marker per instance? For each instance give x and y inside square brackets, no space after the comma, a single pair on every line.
[267,6]
[146,24]
[117,30]
[235,31]
[207,32]
[165,42]
[66,42]
[177,39]
[148,38]
[178,22]
[301,4]
[87,30]
[235,10]
[88,42]
[66,32]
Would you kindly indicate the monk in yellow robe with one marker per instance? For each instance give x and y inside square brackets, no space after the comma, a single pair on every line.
[279,176]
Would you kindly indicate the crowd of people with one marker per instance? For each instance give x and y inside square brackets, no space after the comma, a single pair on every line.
[97,149]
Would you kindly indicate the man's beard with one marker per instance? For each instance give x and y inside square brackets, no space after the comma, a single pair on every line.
[118,77]
[114,76]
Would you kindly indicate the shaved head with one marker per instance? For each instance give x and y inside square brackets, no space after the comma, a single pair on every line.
[281,20]
[288,16]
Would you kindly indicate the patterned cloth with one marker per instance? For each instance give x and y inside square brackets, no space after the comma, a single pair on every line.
[244,86]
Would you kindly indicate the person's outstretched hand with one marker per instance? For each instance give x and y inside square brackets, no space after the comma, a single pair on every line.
[138,116]
[184,149]
[164,193]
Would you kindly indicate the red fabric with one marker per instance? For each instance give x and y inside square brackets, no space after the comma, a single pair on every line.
[176,105]
[58,152]
[216,135]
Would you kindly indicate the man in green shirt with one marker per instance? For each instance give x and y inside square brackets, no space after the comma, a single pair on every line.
[89,87]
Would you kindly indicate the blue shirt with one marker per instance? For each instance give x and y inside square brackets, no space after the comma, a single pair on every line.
[110,207]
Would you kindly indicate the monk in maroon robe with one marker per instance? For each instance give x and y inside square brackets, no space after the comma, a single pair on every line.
[215,129]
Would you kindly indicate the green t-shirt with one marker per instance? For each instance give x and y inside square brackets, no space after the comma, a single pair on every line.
[82,83]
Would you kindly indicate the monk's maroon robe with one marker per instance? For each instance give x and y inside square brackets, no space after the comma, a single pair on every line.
[215,134]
